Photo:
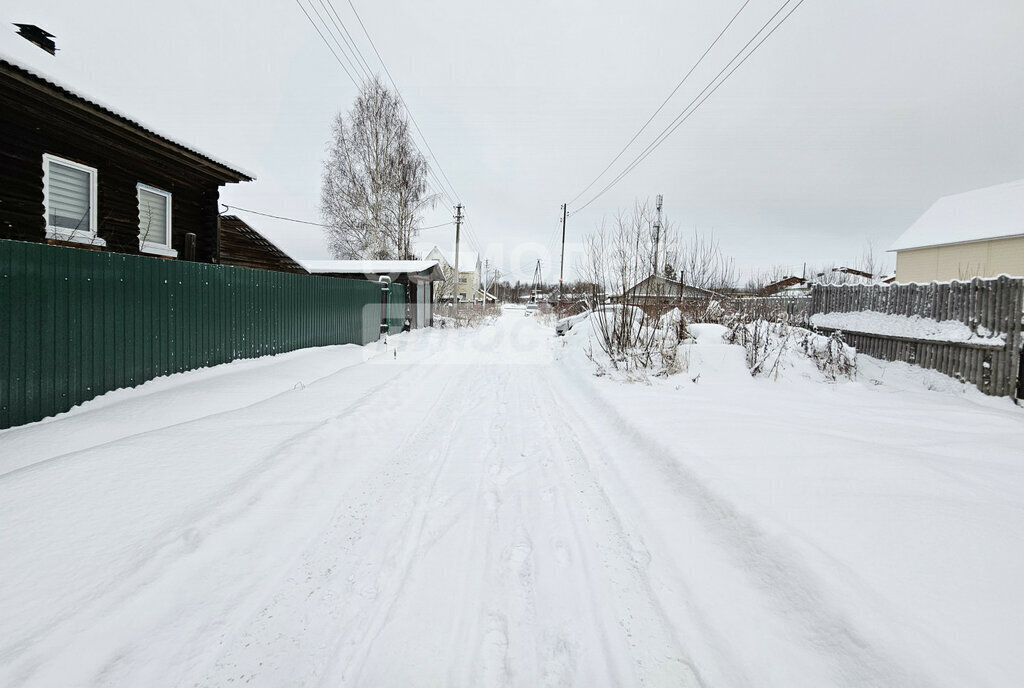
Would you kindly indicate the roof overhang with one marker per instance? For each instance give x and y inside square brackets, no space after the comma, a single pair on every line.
[897,249]
[30,79]
[412,270]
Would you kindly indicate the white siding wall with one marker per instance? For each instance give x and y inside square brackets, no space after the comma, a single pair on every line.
[962,261]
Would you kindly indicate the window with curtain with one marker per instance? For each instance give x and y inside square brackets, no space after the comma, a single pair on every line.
[154,220]
[69,199]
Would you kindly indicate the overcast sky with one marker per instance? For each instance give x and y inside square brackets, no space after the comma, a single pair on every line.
[841,129]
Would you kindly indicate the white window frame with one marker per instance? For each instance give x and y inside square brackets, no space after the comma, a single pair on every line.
[81,236]
[156,248]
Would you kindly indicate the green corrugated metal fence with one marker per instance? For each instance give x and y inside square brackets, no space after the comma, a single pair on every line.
[76,323]
[396,311]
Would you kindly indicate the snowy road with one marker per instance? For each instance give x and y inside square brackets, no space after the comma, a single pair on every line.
[480,510]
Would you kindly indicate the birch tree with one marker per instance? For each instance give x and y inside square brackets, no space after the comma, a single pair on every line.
[374,185]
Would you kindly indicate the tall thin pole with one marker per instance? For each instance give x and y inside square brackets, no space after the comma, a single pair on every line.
[561,267]
[458,227]
[487,265]
[657,234]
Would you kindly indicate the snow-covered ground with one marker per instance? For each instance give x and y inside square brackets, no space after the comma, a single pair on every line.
[476,508]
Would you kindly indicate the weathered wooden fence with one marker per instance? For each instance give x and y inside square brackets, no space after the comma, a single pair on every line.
[792,309]
[75,323]
[989,308]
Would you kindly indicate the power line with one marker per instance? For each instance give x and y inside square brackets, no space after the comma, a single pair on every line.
[701,97]
[349,41]
[472,236]
[352,62]
[664,102]
[324,38]
[308,222]
[399,92]
[433,180]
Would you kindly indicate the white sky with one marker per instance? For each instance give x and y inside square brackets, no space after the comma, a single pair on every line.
[842,129]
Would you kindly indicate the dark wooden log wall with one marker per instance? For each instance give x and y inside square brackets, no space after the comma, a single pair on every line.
[36,120]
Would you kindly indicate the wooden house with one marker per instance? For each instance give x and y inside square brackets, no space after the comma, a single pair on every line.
[244,247]
[77,173]
[787,285]
[657,294]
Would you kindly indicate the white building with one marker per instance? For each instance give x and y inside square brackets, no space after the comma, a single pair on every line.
[469,286]
[974,234]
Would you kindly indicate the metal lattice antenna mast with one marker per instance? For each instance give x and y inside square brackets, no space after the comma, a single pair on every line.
[657,232]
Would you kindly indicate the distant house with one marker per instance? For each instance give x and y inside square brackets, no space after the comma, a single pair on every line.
[244,247]
[77,173]
[417,275]
[657,293]
[791,286]
[974,234]
[469,285]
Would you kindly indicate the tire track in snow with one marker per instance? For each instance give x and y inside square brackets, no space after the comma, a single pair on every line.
[315,583]
[657,656]
[777,573]
[350,650]
[411,544]
[282,471]
[481,635]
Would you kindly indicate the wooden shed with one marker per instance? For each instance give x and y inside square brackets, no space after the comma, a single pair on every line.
[77,173]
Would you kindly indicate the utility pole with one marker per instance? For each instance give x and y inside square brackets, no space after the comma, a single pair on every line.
[487,266]
[657,232]
[561,267]
[458,227]
[537,279]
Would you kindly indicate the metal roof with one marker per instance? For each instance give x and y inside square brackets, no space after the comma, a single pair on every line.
[994,212]
[372,268]
[36,77]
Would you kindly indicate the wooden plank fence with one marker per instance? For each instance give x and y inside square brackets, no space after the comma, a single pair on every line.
[792,309]
[989,307]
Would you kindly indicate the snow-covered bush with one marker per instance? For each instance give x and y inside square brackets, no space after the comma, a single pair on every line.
[830,353]
[637,344]
[626,335]
[773,346]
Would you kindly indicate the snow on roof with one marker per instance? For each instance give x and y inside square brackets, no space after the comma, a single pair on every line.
[97,103]
[990,213]
[467,259]
[367,267]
